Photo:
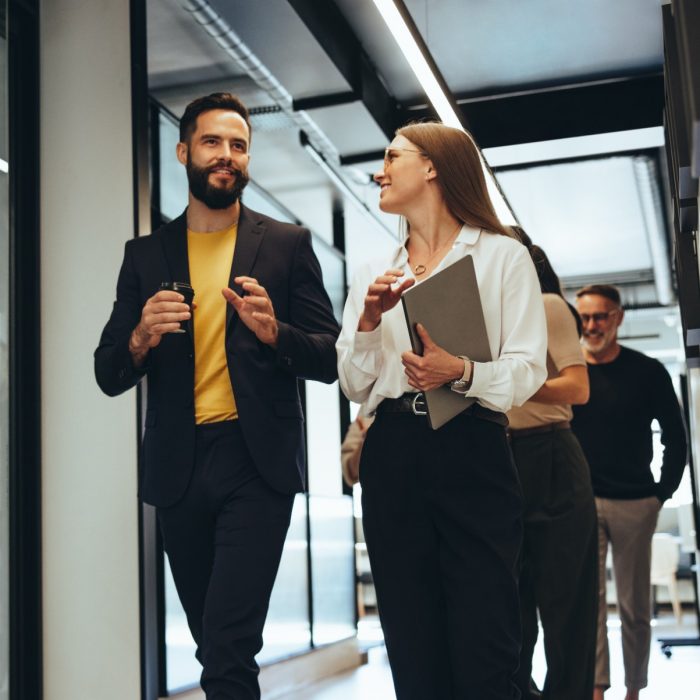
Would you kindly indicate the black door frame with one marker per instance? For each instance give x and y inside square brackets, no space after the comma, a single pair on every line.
[25,580]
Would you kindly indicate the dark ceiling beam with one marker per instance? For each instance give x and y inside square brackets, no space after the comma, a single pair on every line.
[358,158]
[335,35]
[321,101]
[598,108]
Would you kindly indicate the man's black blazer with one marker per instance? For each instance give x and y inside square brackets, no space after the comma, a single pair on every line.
[264,379]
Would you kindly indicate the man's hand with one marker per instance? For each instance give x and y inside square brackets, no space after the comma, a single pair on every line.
[435,368]
[381,298]
[255,309]
[161,314]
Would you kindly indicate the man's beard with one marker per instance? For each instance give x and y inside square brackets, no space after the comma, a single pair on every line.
[595,343]
[212,196]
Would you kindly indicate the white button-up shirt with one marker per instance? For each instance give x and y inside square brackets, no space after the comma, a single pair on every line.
[369,364]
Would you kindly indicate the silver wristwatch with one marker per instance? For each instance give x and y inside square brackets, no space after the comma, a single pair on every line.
[462,385]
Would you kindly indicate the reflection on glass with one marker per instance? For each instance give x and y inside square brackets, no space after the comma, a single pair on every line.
[259,200]
[4,372]
[332,267]
[183,669]
[173,177]
[323,439]
[332,568]
[287,629]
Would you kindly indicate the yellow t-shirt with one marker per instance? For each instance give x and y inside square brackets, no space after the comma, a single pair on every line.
[210,257]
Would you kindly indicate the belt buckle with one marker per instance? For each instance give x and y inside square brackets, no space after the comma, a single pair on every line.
[418,405]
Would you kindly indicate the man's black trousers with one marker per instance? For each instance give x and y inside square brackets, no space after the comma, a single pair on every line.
[224,540]
[442,516]
[559,563]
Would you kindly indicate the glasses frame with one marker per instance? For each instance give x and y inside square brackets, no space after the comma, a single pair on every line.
[598,316]
[388,149]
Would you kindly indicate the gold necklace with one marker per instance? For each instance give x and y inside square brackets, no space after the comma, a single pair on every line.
[421,268]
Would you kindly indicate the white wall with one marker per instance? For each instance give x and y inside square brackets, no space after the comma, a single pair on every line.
[90,533]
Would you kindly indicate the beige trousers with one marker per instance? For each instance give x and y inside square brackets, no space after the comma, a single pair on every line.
[628,527]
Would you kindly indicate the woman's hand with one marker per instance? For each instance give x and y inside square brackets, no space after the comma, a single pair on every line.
[381,297]
[435,368]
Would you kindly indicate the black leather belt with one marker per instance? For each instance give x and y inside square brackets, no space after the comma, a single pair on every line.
[408,403]
[415,403]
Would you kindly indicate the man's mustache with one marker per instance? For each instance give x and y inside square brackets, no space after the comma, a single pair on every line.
[236,171]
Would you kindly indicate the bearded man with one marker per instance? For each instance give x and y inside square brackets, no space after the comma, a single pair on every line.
[223,448]
[628,391]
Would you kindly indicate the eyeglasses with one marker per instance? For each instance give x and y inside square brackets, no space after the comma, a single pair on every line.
[598,317]
[389,153]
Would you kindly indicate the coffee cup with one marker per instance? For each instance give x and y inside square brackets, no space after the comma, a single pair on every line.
[186,290]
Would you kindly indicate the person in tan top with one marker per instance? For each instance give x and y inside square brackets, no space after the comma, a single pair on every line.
[351,449]
[559,563]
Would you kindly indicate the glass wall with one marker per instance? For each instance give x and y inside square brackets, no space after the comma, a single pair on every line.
[313,600]
[4,369]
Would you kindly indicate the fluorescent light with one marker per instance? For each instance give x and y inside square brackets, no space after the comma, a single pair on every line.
[4,166]
[424,73]
[410,49]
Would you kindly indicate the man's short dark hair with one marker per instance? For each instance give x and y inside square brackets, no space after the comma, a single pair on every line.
[604,290]
[217,100]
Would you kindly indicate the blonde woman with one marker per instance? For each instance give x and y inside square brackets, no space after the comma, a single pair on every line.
[442,509]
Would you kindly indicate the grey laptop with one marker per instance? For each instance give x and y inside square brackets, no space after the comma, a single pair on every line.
[449,306]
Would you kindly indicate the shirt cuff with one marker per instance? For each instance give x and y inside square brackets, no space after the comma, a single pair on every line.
[367,351]
[481,379]
[368,340]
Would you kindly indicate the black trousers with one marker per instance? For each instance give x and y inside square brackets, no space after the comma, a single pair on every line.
[442,518]
[224,540]
[559,563]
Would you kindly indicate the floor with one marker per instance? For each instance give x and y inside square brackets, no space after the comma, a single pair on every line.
[677,678]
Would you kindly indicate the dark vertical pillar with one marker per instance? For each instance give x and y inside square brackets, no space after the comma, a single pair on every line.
[151,561]
[25,387]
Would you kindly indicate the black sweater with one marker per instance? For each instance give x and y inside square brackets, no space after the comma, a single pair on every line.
[614,427]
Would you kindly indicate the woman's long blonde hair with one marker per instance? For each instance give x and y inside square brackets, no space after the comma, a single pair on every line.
[459,173]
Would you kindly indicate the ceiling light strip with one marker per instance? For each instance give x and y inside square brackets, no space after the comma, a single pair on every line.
[399,22]
[417,56]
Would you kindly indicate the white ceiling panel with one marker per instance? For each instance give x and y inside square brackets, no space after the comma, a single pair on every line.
[586,215]
[350,127]
[276,35]
[501,44]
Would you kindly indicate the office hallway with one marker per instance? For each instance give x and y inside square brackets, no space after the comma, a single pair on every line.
[677,678]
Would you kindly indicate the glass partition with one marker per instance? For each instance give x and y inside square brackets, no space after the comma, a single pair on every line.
[182,669]
[287,630]
[173,187]
[332,568]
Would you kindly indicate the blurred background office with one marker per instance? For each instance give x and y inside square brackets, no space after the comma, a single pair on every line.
[588,114]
